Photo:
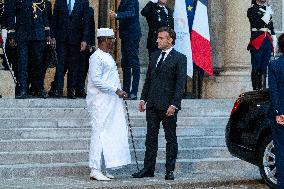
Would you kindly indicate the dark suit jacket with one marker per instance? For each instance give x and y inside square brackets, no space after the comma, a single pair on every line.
[165,87]
[92,33]
[276,85]
[26,24]
[128,16]
[156,18]
[72,28]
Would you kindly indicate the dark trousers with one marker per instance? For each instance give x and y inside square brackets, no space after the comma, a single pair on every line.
[259,61]
[154,117]
[82,71]
[130,64]
[68,57]
[278,141]
[34,49]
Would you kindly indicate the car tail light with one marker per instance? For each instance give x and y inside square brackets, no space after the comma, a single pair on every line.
[236,105]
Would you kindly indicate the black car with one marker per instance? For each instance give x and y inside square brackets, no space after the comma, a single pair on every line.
[248,133]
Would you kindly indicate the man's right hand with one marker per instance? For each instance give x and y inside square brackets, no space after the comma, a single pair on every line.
[12,43]
[280,119]
[121,93]
[141,106]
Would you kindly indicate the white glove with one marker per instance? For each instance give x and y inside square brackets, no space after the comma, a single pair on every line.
[269,10]
[266,17]
[268,13]
[274,42]
[154,1]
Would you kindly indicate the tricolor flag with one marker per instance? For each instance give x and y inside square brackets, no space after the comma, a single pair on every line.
[182,43]
[200,38]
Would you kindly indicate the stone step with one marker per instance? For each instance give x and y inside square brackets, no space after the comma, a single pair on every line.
[83,143]
[247,177]
[81,103]
[81,168]
[75,156]
[6,123]
[52,133]
[82,113]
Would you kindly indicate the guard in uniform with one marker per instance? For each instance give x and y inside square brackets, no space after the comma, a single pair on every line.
[262,42]
[157,15]
[28,27]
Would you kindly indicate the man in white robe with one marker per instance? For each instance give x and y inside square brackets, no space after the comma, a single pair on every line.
[109,141]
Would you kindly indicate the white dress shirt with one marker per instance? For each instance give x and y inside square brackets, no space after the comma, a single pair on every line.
[167,52]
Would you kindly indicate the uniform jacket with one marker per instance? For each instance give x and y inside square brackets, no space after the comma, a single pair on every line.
[23,24]
[156,18]
[276,85]
[73,28]
[165,87]
[128,16]
[254,15]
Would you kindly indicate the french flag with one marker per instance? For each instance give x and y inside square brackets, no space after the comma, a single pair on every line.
[200,38]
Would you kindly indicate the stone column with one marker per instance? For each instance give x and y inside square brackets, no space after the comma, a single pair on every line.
[230,38]
[237,34]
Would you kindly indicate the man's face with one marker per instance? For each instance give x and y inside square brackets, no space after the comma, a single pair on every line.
[110,42]
[261,1]
[164,40]
[162,1]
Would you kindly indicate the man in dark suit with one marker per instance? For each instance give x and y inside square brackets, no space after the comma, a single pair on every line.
[70,25]
[162,91]
[276,89]
[157,15]
[28,27]
[130,33]
[261,42]
[85,55]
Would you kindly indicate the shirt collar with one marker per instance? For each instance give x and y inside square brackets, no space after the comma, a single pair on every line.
[168,50]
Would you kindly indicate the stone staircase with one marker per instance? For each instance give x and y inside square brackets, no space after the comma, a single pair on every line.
[50,137]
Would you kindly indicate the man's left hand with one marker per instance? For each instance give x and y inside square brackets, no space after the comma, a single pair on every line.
[112,14]
[171,111]
[83,46]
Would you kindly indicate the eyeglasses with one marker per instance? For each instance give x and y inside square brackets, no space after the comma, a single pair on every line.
[112,38]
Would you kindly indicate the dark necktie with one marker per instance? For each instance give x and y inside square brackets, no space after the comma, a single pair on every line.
[161,60]
[69,7]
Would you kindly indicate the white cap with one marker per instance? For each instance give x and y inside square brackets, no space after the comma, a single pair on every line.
[105,32]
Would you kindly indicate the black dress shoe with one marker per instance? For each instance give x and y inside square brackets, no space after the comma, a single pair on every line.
[0,96]
[42,94]
[80,94]
[71,96]
[143,173]
[22,95]
[170,175]
[55,93]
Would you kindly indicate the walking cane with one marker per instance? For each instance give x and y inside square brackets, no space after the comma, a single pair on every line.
[8,63]
[131,134]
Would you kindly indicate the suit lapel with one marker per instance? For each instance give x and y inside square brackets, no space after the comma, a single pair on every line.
[167,59]
[75,6]
[155,59]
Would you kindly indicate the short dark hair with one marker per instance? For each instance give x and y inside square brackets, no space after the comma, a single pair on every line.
[170,31]
[281,43]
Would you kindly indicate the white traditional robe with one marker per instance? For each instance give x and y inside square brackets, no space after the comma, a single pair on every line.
[109,128]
